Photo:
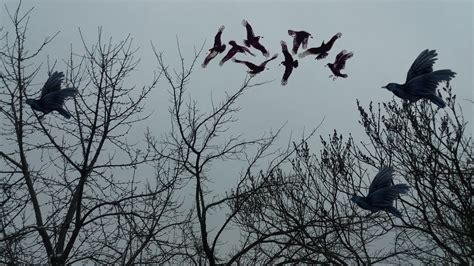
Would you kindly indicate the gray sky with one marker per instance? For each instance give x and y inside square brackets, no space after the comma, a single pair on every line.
[385,37]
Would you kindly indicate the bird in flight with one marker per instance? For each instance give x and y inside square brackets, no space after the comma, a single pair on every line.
[382,193]
[252,40]
[52,96]
[321,51]
[254,69]
[289,63]
[299,37]
[422,81]
[234,50]
[339,64]
[218,47]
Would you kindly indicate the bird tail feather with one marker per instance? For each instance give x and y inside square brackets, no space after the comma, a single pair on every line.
[437,100]
[64,113]
[400,188]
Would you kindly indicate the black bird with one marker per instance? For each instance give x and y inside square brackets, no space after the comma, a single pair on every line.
[254,69]
[289,63]
[253,40]
[216,49]
[422,81]
[52,96]
[382,193]
[339,64]
[299,37]
[233,50]
[321,51]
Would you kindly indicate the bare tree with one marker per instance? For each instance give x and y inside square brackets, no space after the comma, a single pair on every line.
[77,189]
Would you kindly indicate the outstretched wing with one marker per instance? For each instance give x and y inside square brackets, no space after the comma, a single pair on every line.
[284,49]
[261,48]
[384,197]
[209,57]
[268,60]
[286,75]
[250,65]
[383,179]
[423,64]
[296,44]
[250,34]
[247,50]
[232,51]
[425,84]
[217,38]
[52,84]
[55,99]
[341,61]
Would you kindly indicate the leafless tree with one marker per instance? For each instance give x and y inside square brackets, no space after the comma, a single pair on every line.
[75,190]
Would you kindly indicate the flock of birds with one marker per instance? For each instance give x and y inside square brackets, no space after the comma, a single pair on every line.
[421,83]
[300,38]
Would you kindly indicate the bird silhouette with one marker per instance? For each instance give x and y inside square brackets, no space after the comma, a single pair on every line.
[339,64]
[252,40]
[216,49]
[382,193]
[52,96]
[254,69]
[234,50]
[321,51]
[289,63]
[421,80]
[299,37]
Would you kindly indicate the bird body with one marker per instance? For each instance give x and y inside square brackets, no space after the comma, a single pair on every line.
[321,51]
[299,37]
[289,63]
[216,49]
[422,81]
[339,64]
[233,51]
[252,40]
[255,69]
[52,96]
[382,193]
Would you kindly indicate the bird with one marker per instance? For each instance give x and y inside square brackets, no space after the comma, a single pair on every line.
[299,37]
[321,51]
[233,50]
[382,193]
[216,49]
[254,69]
[339,64]
[422,81]
[52,96]
[289,63]
[252,40]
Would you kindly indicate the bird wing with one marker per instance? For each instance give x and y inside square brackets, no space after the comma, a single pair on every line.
[384,197]
[250,65]
[55,99]
[305,41]
[284,49]
[383,179]
[52,84]
[341,61]
[209,57]
[296,44]
[423,64]
[250,34]
[247,50]
[268,60]
[232,51]
[217,38]
[330,43]
[257,45]
[286,75]
[425,84]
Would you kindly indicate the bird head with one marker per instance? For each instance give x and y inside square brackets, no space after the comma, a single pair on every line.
[391,86]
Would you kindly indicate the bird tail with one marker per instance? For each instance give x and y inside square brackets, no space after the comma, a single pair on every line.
[394,211]
[291,32]
[437,100]
[400,188]
[64,113]
[295,63]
